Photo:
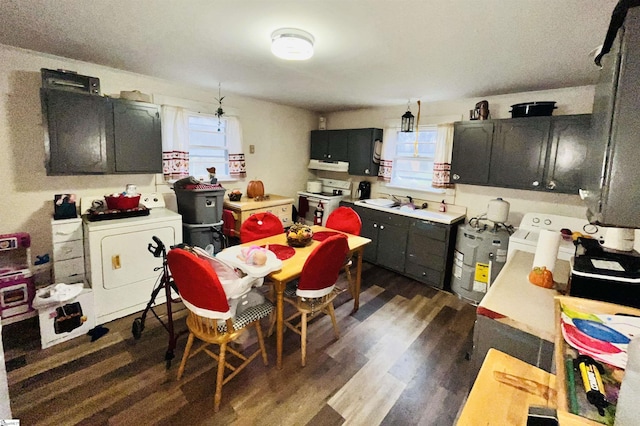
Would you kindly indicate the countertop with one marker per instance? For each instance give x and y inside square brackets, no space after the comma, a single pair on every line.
[448,217]
[247,203]
[494,403]
[512,299]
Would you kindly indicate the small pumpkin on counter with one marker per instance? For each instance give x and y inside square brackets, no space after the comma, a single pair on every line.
[541,277]
[255,188]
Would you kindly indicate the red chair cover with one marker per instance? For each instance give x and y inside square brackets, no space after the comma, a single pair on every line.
[260,225]
[345,219]
[323,265]
[197,282]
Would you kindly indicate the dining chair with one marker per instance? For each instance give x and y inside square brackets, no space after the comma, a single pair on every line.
[260,225]
[347,220]
[210,319]
[313,293]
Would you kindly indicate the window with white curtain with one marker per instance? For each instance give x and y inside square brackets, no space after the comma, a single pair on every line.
[208,145]
[413,159]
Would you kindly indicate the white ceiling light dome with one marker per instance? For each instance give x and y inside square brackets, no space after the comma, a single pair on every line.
[292,44]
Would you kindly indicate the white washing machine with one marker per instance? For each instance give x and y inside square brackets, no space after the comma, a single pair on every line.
[119,267]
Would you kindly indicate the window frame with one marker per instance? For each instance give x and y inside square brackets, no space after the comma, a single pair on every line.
[222,166]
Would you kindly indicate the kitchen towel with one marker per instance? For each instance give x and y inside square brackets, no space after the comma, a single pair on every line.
[229,223]
[547,249]
[303,206]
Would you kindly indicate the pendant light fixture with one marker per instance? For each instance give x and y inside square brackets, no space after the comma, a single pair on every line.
[407,119]
[292,44]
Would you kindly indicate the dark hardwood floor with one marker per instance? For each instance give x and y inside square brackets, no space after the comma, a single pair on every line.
[402,359]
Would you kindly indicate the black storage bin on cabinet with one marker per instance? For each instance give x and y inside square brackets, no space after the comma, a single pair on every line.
[202,235]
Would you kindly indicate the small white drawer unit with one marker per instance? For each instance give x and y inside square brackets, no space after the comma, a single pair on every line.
[68,251]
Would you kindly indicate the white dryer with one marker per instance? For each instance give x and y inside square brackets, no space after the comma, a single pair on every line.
[119,267]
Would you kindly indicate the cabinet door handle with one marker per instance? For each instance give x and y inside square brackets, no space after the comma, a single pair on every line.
[367,172]
[375,225]
[456,176]
[381,226]
[328,155]
[551,185]
[535,183]
[582,193]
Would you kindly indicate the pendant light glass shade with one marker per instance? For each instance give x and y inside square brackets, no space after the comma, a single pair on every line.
[407,121]
[292,44]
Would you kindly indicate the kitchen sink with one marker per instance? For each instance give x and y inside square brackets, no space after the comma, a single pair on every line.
[440,217]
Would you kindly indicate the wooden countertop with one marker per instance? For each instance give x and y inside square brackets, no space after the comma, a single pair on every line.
[247,203]
[491,402]
[513,300]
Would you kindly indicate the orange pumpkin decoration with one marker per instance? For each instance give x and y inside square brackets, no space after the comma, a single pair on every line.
[541,276]
[255,188]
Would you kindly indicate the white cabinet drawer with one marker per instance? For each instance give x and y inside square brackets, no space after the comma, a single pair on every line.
[69,271]
[67,250]
[67,230]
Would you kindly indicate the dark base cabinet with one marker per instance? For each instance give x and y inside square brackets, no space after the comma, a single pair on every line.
[430,253]
[419,249]
[388,233]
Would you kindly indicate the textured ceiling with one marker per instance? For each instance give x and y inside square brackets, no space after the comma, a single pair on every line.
[368,52]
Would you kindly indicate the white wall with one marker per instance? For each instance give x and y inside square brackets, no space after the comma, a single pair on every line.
[279,133]
[575,100]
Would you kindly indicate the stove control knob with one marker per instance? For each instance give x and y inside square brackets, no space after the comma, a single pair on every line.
[547,221]
[536,220]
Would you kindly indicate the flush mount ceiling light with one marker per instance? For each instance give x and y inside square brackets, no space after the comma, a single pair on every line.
[292,44]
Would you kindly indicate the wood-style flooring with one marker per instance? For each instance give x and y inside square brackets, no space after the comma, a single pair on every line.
[402,359]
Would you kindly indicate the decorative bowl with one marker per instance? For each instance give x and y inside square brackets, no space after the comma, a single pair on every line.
[122,202]
[299,235]
[235,196]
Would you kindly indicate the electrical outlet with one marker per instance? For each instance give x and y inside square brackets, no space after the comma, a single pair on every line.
[252,149]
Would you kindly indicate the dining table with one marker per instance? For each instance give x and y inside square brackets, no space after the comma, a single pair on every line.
[292,262]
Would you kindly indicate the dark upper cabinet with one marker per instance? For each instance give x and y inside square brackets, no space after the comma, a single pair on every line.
[533,153]
[76,136]
[518,153]
[471,152]
[611,182]
[365,147]
[136,134]
[567,155]
[88,134]
[330,145]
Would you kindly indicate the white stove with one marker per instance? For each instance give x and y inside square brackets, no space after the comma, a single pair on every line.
[526,237]
[119,267]
[333,191]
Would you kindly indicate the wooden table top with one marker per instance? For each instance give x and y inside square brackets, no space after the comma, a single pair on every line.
[292,267]
[494,403]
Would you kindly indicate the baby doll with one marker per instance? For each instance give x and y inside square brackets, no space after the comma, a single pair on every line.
[253,255]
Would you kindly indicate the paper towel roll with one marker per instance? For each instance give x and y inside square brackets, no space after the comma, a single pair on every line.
[547,249]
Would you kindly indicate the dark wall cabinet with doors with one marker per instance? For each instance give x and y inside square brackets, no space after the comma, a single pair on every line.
[360,147]
[88,134]
[533,153]
[419,249]
[365,146]
[611,183]
[329,145]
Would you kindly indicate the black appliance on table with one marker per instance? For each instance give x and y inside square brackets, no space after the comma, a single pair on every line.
[364,190]
[609,276]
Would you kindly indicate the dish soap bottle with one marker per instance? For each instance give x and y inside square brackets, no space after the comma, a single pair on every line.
[443,206]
